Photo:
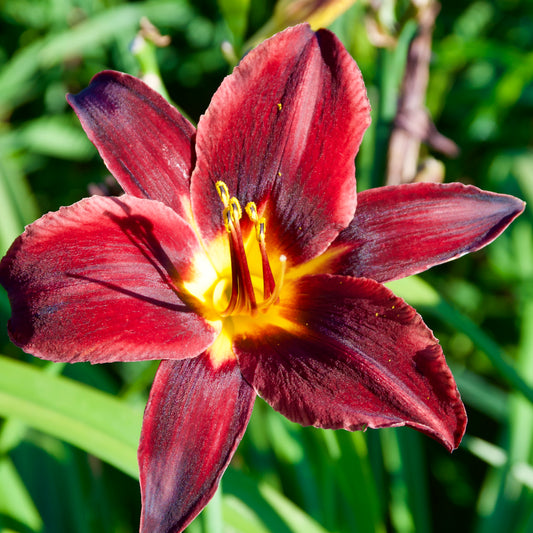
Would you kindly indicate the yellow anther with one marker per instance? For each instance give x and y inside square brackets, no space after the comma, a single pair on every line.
[260,229]
[280,106]
[223,192]
[228,220]
[236,210]
[259,223]
[251,211]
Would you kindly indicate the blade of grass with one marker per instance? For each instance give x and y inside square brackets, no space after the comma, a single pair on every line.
[240,517]
[12,430]
[17,204]
[503,498]
[400,513]
[87,418]
[477,392]
[235,13]
[15,502]
[414,471]
[212,515]
[347,460]
[270,507]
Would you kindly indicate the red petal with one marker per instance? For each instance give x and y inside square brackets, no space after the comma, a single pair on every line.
[144,141]
[97,282]
[193,423]
[282,131]
[401,230]
[354,356]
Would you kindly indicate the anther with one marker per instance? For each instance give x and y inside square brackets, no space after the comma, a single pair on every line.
[236,210]
[251,211]
[259,223]
[223,193]
[260,229]
[228,219]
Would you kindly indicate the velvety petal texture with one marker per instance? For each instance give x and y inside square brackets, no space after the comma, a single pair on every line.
[144,141]
[194,420]
[401,230]
[282,104]
[98,281]
[353,356]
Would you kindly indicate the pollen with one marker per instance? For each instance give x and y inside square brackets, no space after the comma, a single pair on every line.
[251,211]
[223,192]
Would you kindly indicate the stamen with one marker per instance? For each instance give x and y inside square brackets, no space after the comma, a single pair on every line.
[222,190]
[274,297]
[239,261]
[232,304]
[242,298]
[260,230]
[251,211]
[228,220]
[236,208]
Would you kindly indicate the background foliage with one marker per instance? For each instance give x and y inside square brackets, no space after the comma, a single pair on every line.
[69,432]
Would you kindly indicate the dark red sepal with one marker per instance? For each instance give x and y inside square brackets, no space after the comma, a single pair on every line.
[144,141]
[100,281]
[193,423]
[353,355]
[401,230]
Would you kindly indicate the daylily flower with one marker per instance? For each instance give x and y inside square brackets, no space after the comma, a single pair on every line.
[238,258]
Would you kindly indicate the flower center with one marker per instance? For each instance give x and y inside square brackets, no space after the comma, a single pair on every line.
[241,296]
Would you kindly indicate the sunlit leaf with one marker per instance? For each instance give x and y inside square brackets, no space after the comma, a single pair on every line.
[15,502]
[75,413]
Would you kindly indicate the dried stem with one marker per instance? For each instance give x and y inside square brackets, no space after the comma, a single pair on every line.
[412,124]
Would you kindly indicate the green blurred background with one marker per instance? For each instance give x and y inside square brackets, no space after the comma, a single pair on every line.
[69,433]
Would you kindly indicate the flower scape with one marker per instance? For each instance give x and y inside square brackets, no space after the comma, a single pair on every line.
[241,257]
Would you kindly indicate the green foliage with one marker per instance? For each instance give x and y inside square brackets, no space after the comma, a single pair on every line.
[68,442]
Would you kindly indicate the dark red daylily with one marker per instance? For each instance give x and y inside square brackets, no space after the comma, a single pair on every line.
[237,256]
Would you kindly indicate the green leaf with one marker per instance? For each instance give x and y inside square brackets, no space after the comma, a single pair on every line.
[16,77]
[271,509]
[15,502]
[92,420]
[55,136]
[235,13]
[17,204]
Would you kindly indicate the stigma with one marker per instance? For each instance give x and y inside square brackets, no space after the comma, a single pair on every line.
[243,297]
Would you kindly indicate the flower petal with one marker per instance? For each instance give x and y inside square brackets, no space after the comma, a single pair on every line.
[352,355]
[98,281]
[402,230]
[193,423]
[282,131]
[144,141]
